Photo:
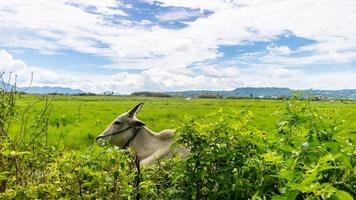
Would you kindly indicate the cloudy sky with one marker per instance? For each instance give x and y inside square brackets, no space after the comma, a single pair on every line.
[174,45]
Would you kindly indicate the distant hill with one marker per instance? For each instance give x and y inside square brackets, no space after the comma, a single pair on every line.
[238,92]
[262,92]
[48,89]
[44,90]
[269,92]
[245,92]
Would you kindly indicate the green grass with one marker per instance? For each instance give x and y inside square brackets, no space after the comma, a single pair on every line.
[286,150]
[76,121]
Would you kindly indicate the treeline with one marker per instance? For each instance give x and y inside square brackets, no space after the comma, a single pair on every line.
[151,94]
[205,96]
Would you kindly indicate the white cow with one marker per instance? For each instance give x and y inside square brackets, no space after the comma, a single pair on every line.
[127,131]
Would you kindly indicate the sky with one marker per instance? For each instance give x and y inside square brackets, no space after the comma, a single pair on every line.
[176,45]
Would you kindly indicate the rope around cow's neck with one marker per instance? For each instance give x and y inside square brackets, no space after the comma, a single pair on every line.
[135,133]
[136,130]
[115,133]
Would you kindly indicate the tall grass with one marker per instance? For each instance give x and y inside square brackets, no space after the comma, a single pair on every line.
[33,168]
[7,105]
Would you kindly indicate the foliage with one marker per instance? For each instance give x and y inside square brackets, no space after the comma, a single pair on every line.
[33,169]
[7,112]
[309,154]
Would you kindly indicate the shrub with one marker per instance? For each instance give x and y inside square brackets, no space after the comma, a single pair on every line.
[310,156]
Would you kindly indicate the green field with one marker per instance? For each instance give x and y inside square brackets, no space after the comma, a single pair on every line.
[77,120]
[239,149]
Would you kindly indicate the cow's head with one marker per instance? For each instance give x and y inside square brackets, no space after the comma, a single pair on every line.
[121,131]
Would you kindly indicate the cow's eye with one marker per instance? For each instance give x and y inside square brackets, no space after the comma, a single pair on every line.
[117,123]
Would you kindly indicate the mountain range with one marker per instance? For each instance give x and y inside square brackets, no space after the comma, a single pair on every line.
[259,92]
[43,90]
[270,92]
[48,89]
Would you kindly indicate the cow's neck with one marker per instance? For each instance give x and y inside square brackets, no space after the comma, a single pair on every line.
[146,143]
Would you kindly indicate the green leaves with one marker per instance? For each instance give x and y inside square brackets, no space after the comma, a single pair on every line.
[224,153]
[307,157]
[341,195]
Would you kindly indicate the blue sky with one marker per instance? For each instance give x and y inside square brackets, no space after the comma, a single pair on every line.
[172,45]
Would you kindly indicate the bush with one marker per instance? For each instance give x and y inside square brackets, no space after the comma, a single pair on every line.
[225,160]
[310,156]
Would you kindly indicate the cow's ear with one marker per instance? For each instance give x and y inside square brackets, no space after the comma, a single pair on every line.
[138,124]
[135,109]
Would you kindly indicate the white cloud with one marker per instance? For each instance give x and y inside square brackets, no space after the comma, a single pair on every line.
[218,72]
[326,21]
[53,26]
[204,5]
[165,54]
[172,80]
[179,14]
[105,7]
[279,50]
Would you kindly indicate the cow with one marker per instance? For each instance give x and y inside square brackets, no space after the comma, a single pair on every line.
[128,131]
